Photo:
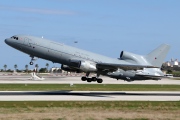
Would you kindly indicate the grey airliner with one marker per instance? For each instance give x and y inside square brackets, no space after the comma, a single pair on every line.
[128,66]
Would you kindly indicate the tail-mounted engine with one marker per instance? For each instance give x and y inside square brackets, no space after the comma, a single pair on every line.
[133,58]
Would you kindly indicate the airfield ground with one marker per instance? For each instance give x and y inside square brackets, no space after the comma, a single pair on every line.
[119,110]
[10,85]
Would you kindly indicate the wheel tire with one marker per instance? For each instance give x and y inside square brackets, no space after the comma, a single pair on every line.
[83,78]
[99,80]
[94,79]
[31,63]
[89,79]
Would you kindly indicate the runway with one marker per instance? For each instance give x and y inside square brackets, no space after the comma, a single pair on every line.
[84,95]
[88,96]
[25,79]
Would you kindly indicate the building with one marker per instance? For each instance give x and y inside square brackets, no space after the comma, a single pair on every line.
[172,63]
[55,70]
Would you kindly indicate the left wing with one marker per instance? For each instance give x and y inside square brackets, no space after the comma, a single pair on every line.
[150,73]
[113,67]
[151,76]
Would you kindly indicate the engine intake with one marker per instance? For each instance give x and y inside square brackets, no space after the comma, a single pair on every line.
[133,58]
[69,69]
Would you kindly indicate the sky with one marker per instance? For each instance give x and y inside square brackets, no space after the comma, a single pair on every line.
[102,26]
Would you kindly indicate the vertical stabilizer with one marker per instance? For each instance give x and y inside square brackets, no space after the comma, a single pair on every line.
[157,56]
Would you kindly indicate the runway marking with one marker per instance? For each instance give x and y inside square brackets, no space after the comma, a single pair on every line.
[90,93]
[88,96]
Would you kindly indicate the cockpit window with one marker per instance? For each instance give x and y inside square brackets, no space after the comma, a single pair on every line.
[14,37]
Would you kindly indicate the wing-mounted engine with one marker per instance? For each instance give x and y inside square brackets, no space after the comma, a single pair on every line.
[85,66]
[69,69]
[133,58]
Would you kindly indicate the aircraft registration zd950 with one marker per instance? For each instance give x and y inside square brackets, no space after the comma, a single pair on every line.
[128,67]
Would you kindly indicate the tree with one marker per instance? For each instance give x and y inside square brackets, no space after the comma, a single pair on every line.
[169,71]
[42,70]
[26,67]
[36,67]
[15,67]
[5,66]
[47,65]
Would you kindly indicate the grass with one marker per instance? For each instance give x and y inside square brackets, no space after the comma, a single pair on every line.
[87,87]
[127,119]
[121,105]
[89,110]
[175,78]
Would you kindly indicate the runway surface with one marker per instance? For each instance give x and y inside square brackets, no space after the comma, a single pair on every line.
[84,95]
[88,96]
[25,79]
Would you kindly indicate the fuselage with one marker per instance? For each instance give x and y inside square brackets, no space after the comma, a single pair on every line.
[56,52]
[64,54]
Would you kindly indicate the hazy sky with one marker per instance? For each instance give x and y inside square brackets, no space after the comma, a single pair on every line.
[103,26]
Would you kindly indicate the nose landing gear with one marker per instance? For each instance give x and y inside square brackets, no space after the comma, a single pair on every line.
[32,59]
[31,63]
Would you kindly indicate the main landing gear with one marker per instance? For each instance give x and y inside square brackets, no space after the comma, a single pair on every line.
[93,79]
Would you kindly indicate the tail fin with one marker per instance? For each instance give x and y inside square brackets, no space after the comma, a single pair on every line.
[157,56]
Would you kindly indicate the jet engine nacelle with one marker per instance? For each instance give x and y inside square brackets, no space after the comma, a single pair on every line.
[133,58]
[88,67]
[85,66]
[69,69]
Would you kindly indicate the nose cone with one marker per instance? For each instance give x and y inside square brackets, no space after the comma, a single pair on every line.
[7,41]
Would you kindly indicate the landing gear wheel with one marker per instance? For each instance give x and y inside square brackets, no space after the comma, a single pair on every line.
[83,78]
[94,79]
[89,79]
[31,63]
[99,80]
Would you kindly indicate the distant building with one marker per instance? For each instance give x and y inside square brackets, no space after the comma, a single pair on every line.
[172,63]
[56,70]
